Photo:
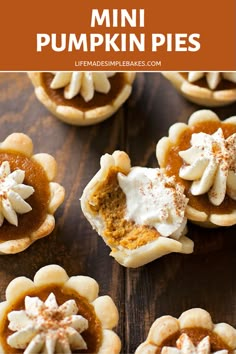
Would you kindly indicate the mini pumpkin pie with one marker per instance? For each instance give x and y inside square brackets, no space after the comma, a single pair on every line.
[28,195]
[205,88]
[82,98]
[139,212]
[55,314]
[192,333]
[202,156]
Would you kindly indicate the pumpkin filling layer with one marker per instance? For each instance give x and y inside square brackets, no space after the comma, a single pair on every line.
[174,162]
[35,177]
[196,335]
[109,201]
[100,99]
[92,336]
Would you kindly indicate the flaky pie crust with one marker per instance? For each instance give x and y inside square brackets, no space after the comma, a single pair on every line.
[141,255]
[200,95]
[85,286]
[21,143]
[76,116]
[167,326]
[166,143]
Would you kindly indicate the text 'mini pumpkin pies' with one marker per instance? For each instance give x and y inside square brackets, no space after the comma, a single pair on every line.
[55,314]
[82,98]
[202,156]
[192,333]
[205,88]
[139,212]
[28,195]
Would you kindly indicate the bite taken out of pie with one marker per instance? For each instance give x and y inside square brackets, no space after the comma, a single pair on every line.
[139,212]
[208,89]
[29,196]
[82,98]
[192,333]
[55,314]
[202,157]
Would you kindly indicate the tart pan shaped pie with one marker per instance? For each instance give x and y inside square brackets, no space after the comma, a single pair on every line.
[139,213]
[202,156]
[208,89]
[28,194]
[192,333]
[82,98]
[55,314]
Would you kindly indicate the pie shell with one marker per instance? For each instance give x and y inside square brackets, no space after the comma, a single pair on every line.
[167,326]
[85,286]
[21,143]
[141,255]
[200,95]
[166,143]
[75,116]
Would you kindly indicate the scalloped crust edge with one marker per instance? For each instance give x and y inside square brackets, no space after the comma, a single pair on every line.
[23,144]
[53,274]
[144,254]
[162,149]
[201,96]
[165,326]
[75,116]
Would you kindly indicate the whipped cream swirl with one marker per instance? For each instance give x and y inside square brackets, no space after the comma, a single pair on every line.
[45,327]
[155,200]
[12,194]
[211,165]
[83,83]
[184,345]
[212,78]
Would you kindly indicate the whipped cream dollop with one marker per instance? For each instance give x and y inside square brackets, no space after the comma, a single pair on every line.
[12,194]
[211,165]
[184,345]
[212,78]
[45,327]
[155,200]
[83,83]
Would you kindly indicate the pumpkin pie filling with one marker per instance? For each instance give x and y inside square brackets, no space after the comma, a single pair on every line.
[196,335]
[57,95]
[110,201]
[35,176]
[92,335]
[174,163]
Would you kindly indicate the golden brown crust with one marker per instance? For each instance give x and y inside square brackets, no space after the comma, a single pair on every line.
[76,116]
[21,143]
[126,257]
[166,326]
[84,286]
[200,95]
[166,143]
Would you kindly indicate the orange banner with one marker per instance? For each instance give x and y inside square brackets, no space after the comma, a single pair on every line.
[139,35]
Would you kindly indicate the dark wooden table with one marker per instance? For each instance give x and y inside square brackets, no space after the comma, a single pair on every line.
[169,285]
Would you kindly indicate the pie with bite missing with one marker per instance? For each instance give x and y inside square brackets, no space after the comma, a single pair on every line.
[192,333]
[202,157]
[82,98]
[57,314]
[205,88]
[139,212]
[28,194]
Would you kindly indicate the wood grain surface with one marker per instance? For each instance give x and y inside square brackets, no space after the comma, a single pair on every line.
[169,285]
